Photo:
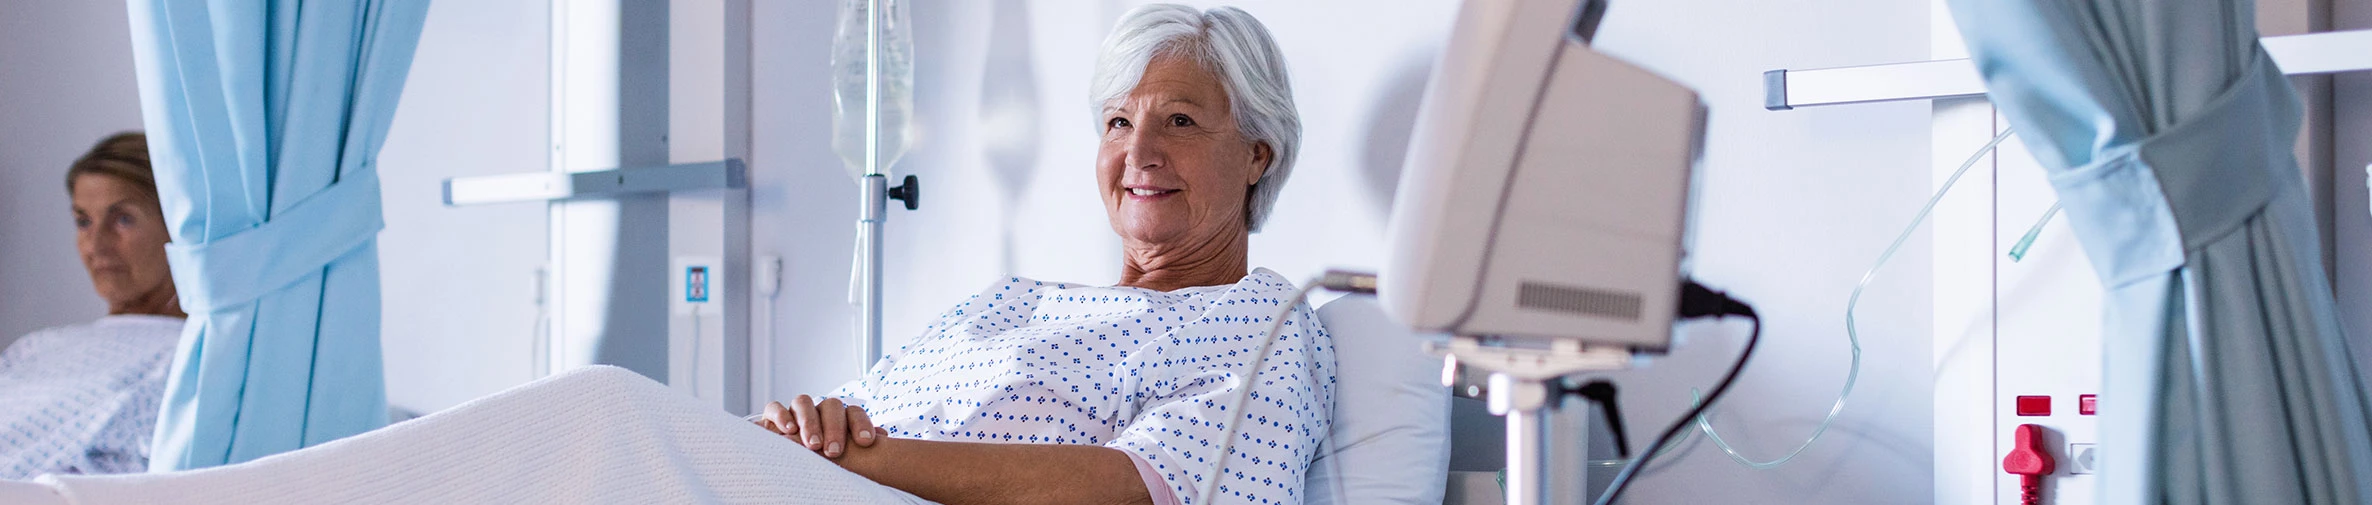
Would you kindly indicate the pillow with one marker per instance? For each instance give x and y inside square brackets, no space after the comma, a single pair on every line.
[1390,442]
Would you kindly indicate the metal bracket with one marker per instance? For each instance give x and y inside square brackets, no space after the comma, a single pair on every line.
[548,186]
[1520,390]
[1553,359]
[2313,53]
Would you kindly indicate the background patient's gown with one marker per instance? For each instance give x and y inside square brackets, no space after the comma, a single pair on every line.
[83,398]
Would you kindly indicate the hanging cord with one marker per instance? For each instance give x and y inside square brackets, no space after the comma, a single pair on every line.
[1243,384]
[1334,280]
[1602,392]
[761,348]
[539,343]
[1852,330]
[856,274]
[1695,301]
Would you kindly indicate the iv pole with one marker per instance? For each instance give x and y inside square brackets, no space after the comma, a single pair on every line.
[875,194]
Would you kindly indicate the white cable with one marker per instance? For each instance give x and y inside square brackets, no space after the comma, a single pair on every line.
[1335,461]
[856,260]
[761,384]
[1244,388]
[761,348]
[539,344]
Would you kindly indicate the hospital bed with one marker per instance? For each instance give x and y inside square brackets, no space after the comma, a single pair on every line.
[1390,444]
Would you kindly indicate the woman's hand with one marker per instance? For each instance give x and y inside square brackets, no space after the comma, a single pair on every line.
[826,427]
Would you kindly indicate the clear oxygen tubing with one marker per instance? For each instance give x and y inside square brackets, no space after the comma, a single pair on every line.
[1852,333]
[2018,252]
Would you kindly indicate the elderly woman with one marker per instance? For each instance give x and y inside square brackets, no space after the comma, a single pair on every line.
[1118,394]
[1030,392]
[83,398]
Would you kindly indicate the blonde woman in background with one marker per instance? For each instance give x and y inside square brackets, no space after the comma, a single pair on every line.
[83,398]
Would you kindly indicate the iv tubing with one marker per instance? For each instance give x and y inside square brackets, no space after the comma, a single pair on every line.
[1852,334]
[2018,252]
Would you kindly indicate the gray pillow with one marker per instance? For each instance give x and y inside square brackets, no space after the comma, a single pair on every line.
[1390,442]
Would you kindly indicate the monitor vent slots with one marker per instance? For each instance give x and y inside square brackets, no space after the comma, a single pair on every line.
[1601,303]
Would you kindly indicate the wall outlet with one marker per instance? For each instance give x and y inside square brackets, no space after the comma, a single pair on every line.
[696,284]
[2083,459]
[695,281]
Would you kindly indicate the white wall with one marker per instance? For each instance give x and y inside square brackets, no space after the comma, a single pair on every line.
[1332,211]
[65,81]
[458,283]
[1795,205]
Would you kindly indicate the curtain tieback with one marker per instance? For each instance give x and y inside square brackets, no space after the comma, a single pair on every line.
[295,244]
[2141,206]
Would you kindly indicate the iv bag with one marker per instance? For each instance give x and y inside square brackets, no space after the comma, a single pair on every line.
[848,83]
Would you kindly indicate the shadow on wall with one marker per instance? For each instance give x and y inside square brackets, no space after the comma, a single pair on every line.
[1009,124]
[1395,115]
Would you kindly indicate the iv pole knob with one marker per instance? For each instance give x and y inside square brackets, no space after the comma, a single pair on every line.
[910,192]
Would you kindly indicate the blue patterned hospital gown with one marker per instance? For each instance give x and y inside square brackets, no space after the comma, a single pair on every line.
[1142,371]
[84,398]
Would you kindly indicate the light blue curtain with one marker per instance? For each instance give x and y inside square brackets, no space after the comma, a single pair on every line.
[2168,135]
[264,119]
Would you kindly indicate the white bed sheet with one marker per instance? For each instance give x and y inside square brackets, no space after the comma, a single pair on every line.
[607,435]
[594,435]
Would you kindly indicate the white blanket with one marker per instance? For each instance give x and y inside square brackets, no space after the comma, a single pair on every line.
[595,435]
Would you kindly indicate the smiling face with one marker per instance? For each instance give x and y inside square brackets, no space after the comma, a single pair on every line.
[121,234]
[1174,171]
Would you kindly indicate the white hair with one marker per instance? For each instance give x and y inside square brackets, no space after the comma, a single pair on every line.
[1230,43]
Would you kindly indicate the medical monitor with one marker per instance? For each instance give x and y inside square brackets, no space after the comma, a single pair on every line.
[1546,186]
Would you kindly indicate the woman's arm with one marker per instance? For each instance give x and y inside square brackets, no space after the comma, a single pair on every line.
[967,473]
[957,473]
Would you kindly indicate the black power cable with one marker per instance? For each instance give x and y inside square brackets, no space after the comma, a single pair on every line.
[1602,392]
[1696,301]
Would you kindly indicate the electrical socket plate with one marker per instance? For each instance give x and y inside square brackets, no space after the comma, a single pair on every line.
[683,293]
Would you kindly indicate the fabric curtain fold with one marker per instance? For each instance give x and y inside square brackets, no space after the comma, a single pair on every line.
[264,119]
[2167,132]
